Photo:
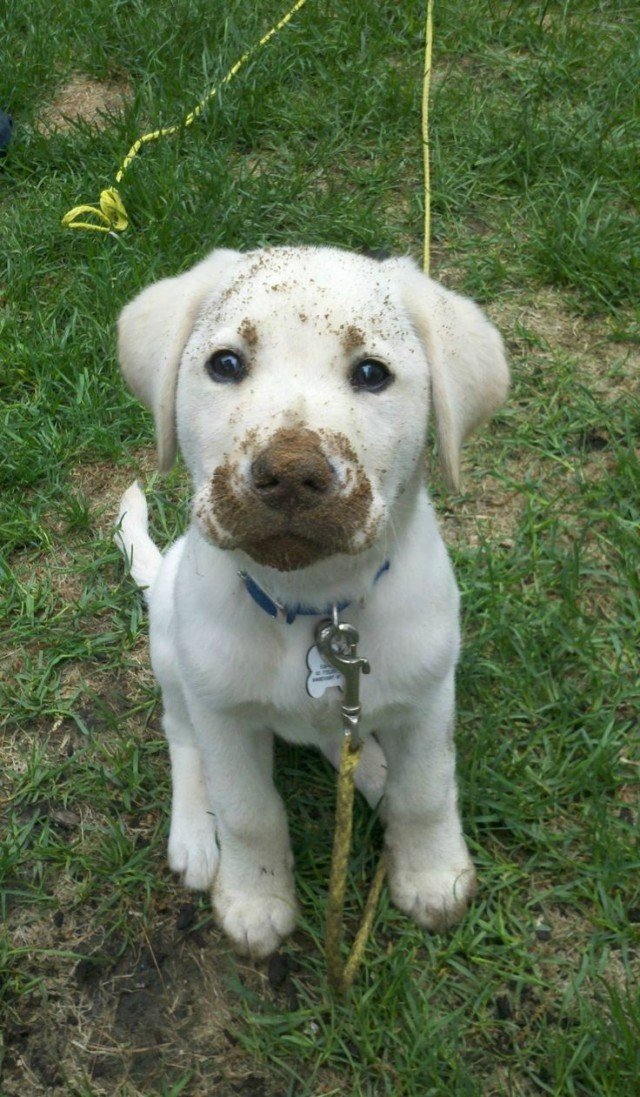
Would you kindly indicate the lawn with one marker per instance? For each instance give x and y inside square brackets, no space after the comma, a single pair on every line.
[112,978]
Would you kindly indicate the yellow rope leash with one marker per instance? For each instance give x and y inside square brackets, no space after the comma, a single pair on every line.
[341,974]
[111,213]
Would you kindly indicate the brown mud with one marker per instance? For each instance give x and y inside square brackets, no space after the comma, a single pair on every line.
[305,534]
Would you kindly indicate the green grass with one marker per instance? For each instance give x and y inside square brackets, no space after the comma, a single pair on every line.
[534,214]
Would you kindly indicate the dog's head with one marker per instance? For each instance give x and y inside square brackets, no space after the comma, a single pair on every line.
[298,382]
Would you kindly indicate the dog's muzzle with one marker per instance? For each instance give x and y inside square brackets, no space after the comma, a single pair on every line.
[293,505]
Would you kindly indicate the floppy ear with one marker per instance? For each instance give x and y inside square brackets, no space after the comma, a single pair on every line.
[152,333]
[469,372]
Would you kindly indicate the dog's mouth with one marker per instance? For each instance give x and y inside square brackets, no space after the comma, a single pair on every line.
[285,551]
[285,543]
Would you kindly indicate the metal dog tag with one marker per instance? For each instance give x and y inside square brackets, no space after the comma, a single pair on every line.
[322,675]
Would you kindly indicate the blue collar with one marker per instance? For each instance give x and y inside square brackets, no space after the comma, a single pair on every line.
[289,613]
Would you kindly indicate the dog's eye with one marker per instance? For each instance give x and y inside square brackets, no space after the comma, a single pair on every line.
[370,375]
[226,367]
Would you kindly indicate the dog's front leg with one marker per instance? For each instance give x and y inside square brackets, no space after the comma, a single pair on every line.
[193,851]
[253,892]
[430,874]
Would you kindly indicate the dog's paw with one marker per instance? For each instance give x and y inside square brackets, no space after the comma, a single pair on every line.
[435,898]
[255,923]
[193,852]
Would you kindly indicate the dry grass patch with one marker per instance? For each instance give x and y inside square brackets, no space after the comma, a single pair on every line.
[546,323]
[103,483]
[82,99]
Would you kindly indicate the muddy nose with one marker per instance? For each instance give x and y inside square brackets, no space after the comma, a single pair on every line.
[292,472]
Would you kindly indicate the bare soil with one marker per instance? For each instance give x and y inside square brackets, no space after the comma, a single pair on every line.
[84,100]
[134,1021]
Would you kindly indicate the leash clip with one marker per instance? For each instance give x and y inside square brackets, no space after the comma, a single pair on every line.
[337,642]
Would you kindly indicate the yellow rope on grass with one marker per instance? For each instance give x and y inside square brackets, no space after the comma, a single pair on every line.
[341,975]
[111,213]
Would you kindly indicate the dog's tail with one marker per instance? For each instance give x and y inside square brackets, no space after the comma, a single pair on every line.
[132,538]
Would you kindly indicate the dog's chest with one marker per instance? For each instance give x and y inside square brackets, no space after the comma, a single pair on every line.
[270,675]
[276,668]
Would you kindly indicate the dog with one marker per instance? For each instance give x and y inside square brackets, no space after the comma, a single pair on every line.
[297,382]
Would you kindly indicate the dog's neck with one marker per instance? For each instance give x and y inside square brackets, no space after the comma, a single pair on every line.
[338,580]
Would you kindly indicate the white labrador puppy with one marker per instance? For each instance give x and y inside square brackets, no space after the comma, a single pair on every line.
[297,383]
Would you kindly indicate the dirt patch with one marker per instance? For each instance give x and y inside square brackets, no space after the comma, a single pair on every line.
[103,484]
[249,332]
[133,1021]
[84,100]
[353,339]
[546,325]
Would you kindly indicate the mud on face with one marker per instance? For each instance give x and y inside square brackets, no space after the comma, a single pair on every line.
[289,501]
